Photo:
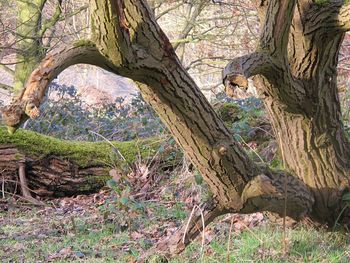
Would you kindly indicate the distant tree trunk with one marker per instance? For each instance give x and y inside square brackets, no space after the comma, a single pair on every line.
[295,70]
[29,20]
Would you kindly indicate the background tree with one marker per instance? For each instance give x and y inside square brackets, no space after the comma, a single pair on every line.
[30,29]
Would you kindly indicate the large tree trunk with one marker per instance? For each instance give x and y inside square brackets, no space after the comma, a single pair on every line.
[317,151]
[299,88]
[295,73]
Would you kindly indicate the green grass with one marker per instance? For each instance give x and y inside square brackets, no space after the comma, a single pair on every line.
[35,236]
[264,244]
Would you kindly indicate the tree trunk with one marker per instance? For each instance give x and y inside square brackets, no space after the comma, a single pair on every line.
[29,20]
[318,153]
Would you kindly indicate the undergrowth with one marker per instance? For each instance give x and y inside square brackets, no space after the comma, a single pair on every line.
[42,236]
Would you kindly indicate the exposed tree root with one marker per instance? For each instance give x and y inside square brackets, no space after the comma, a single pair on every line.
[24,184]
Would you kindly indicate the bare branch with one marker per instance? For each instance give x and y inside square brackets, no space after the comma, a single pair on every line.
[5,87]
[52,21]
[191,22]
[7,69]
[168,10]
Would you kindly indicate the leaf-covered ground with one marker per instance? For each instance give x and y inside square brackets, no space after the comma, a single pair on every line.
[117,227]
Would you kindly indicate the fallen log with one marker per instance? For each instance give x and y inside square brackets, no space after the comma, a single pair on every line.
[58,168]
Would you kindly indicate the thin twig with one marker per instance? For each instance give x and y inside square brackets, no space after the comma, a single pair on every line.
[229,241]
[284,236]
[203,225]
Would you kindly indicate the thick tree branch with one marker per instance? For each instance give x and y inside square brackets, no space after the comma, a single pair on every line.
[240,69]
[278,19]
[280,84]
[330,18]
[28,102]
[273,190]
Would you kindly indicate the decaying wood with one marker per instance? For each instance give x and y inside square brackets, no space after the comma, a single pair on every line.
[54,168]
[48,177]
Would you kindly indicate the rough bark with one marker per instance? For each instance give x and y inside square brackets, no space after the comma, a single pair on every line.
[300,93]
[49,177]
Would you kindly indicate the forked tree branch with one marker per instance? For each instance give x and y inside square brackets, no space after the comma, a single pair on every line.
[167,86]
[49,23]
[134,46]
[191,22]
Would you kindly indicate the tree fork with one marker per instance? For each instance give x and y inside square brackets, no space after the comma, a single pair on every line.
[166,85]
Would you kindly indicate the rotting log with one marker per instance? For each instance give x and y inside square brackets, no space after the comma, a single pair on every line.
[61,168]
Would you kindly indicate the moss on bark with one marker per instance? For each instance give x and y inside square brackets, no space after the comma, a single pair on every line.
[83,154]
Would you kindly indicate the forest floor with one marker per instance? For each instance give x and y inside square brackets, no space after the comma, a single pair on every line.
[111,226]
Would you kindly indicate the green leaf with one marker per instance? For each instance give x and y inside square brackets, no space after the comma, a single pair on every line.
[124,200]
[111,183]
[346,197]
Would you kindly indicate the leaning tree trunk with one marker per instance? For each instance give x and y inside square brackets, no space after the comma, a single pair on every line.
[55,168]
[297,84]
